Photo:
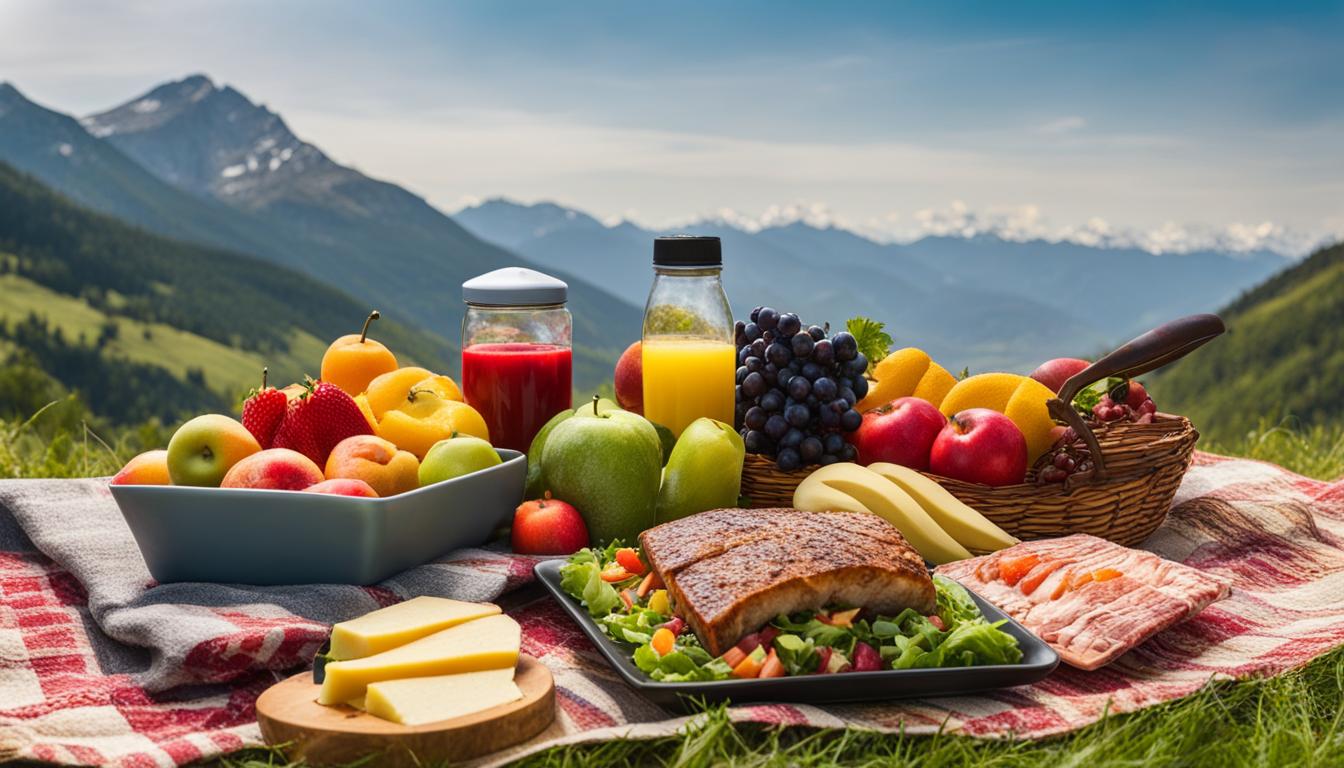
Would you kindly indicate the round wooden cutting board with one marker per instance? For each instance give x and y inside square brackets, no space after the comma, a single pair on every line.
[290,717]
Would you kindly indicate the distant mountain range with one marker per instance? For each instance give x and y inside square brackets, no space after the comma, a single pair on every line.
[200,162]
[144,326]
[982,302]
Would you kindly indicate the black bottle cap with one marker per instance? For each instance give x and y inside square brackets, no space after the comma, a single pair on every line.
[687,251]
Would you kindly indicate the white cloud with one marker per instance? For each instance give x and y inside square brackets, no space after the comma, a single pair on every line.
[1067,124]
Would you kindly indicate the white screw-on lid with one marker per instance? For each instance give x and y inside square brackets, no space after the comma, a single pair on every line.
[515,287]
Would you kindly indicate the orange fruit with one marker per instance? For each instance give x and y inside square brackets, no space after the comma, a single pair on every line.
[354,360]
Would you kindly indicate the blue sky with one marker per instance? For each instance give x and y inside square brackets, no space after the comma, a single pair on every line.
[891,118]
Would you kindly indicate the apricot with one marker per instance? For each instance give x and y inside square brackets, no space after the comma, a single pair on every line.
[389,390]
[376,461]
[1021,399]
[362,401]
[354,360]
[907,372]
[149,468]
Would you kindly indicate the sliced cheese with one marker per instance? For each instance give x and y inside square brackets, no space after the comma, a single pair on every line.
[488,643]
[423,700]
[849,487]
[387,628]
[962,522]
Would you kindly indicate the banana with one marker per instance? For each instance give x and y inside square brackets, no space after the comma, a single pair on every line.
[968,527]
[851,488]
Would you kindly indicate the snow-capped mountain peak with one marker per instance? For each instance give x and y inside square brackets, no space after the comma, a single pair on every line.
[209,138]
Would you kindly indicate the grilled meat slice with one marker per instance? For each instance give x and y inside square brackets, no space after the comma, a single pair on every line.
[1089,599]
[730,571]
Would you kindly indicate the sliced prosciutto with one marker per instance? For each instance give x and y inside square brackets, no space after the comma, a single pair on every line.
[1089,599]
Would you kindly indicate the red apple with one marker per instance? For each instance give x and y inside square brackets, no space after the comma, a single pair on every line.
[1053,373]
[630,379]
[276,469]
[901,432]
[548,527]
[980,446]
[343,486]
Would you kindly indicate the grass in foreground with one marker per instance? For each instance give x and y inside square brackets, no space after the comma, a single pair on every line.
[1295,719]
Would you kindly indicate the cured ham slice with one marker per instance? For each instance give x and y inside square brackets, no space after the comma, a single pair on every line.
[729,571]
[1089,599]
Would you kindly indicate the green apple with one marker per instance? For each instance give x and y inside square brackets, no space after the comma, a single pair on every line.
[205,448]
[596,407]
[536,482]
[455,457]
[704,471]
[608,465]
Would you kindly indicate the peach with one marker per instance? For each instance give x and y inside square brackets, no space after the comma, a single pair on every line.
[277,469]
[203,450]
[343,487]
[425,418]
[375,461]
[630,379]
[149,468]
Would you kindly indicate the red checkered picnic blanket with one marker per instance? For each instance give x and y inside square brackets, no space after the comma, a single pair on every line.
[70,694]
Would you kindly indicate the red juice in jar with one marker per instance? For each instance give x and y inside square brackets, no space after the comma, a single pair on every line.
[517,388]
[516,362]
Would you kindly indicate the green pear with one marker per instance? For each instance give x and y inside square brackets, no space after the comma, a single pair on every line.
[608,466]
[704,471]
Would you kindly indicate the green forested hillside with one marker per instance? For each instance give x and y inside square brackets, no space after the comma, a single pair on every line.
[1283,356]
[144,326]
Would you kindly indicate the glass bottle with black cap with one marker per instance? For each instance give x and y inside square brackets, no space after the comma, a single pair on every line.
[688,357]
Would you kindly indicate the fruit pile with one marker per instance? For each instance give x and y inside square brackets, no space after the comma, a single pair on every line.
[992,428]
[1124,401]
[368,428]
[797,390]
[600,473]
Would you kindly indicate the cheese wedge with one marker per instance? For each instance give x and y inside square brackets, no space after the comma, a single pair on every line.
[423,700]
[387,628]
[970,528]
[488,643]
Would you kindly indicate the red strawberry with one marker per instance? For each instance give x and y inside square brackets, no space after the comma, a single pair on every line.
[318,419]
[263,411]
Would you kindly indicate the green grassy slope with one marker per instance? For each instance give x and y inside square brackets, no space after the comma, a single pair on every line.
[1283,356]
[179,307]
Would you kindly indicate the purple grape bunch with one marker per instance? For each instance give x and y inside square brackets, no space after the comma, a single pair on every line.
[796,389]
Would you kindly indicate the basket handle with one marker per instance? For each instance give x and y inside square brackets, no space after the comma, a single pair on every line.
[1164,344]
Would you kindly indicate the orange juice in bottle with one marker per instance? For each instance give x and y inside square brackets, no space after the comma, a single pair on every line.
[689,362]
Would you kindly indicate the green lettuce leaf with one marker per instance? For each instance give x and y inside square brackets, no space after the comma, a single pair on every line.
[581,578]
[798,655]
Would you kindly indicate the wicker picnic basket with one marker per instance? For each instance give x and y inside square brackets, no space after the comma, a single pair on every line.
[1138,467]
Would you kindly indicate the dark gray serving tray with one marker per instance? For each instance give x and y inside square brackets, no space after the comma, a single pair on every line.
[1038,661]
[249,536]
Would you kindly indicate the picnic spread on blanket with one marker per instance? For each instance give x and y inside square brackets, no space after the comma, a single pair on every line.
[790,519]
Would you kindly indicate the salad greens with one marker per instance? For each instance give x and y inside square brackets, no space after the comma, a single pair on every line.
[623,601]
